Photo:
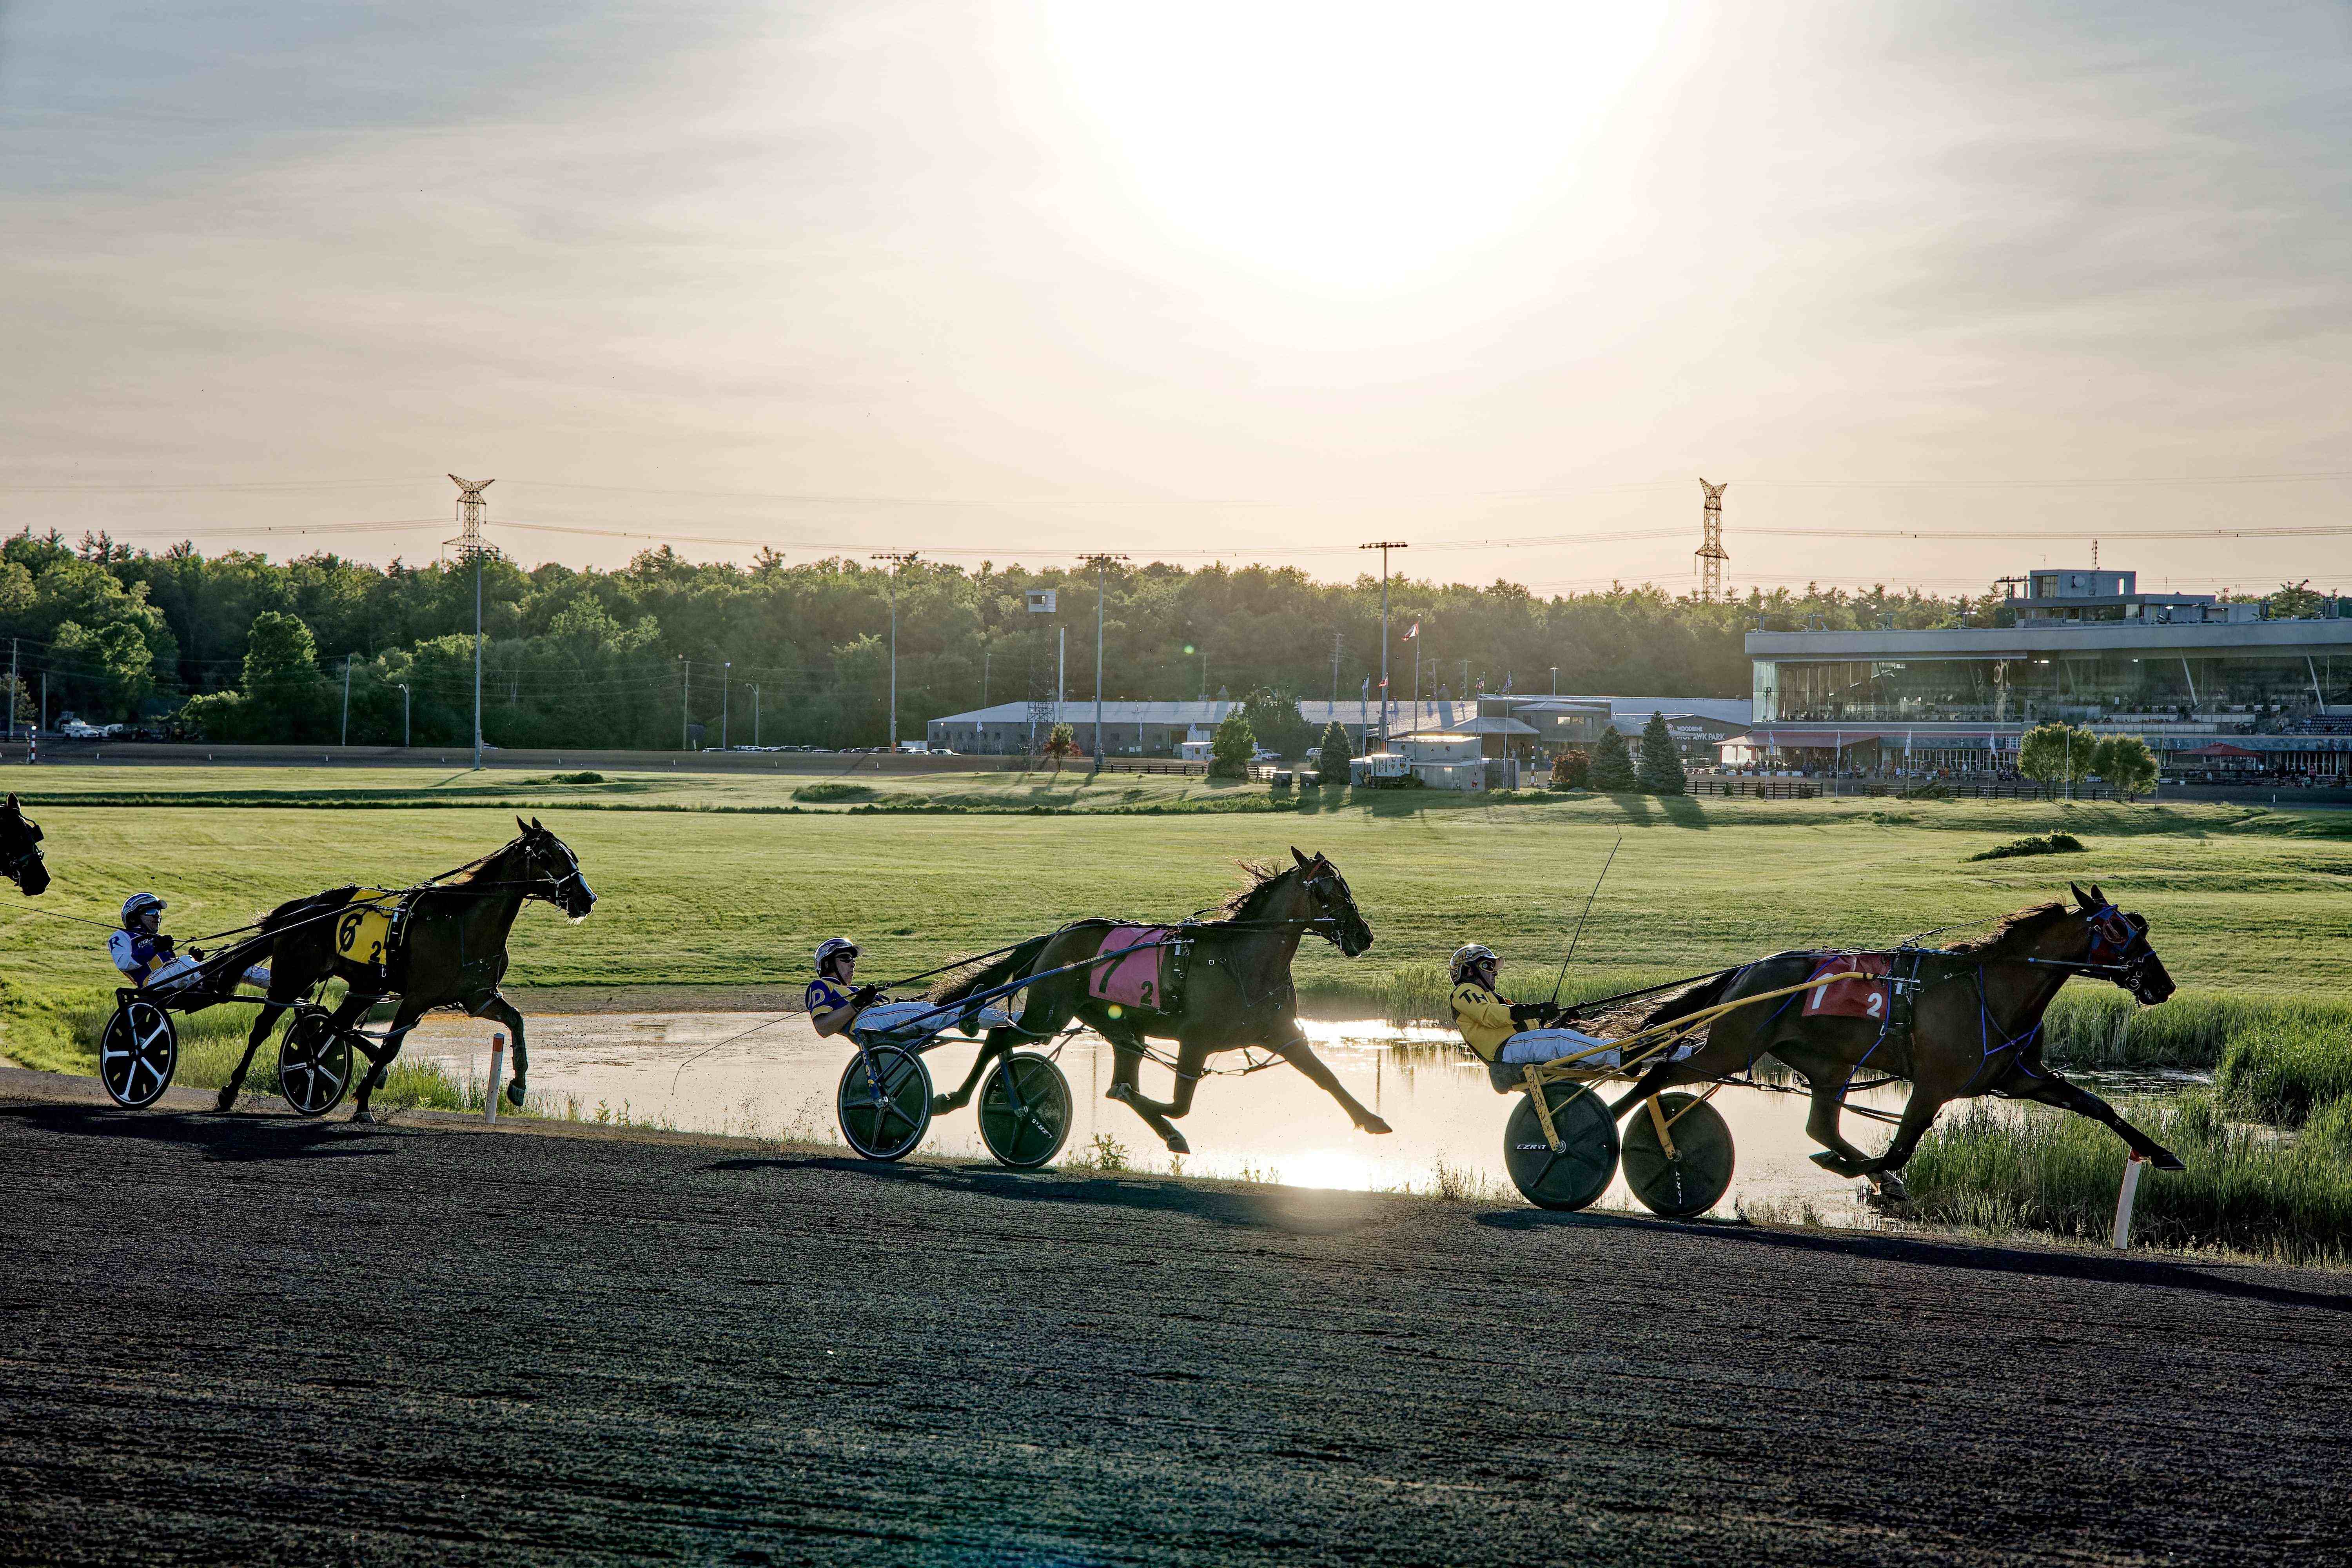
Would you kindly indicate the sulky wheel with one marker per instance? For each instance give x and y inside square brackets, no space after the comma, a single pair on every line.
[137,1054]
[884,1117]
[314,1063]
[1693,1178]
[1025,1109]
[1579,1173]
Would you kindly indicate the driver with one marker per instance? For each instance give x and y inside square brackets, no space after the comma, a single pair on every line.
[146,955]
[1496,1029]
[834,999]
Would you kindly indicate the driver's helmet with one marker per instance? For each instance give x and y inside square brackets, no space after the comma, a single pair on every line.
[139,904]
[831,948]
[1466,959]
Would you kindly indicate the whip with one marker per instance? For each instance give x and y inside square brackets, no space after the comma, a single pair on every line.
[1559,979]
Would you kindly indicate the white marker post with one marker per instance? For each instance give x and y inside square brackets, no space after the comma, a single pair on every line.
[498,1067]
[2124,1198]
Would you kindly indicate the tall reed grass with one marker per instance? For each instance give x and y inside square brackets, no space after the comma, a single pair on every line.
[2100,1026]
[2246,1189]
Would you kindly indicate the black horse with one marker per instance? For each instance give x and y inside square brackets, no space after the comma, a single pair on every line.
[1976,1028]
[451,952]
[1237,993]
[20,851]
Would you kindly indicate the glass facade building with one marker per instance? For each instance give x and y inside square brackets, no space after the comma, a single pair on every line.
[2181,683]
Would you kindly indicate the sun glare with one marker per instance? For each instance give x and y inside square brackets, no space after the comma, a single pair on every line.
[1357,148]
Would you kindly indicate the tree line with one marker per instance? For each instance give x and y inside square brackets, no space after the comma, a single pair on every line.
[665,651]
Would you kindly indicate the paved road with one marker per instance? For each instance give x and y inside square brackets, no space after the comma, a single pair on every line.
[255,1339]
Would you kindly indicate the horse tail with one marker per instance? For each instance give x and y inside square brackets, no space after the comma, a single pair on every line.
[963,982]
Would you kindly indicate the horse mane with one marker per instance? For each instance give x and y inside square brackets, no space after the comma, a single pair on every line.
[1242,903]
[2024,922]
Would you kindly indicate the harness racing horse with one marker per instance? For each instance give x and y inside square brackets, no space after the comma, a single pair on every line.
[452,951]
[20,852]
[1976,1028]
[1237,993]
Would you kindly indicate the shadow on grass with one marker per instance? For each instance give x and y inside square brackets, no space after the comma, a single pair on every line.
[229,1138]
[2122,1268]
[1290,1210]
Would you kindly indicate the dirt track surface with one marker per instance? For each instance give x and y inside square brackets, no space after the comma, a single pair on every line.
[255,1339]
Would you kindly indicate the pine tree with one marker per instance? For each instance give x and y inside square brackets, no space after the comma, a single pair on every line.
[1662,765]
[1612,763]
[1331,761]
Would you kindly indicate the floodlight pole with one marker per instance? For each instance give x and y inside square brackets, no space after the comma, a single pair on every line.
[1384,546]
[1101,564]
[347,657]
[726,683]
[755,715]
[686,705]
[898,559]
[404,713]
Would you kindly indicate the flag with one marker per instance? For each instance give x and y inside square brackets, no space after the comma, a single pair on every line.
[1507,681]
[1384,683]
[1412,633]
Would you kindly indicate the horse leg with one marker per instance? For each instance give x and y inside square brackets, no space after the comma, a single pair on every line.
[1918,1115]
[2056,1090]
[1126,1063]
[353,1009]
[499,1010]
[1656,1081]
[1300,1054]
[270,1012]
[998,1043]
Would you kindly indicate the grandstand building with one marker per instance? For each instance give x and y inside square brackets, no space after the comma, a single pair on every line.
[2215,689]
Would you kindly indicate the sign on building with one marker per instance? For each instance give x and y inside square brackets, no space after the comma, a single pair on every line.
[1041,600]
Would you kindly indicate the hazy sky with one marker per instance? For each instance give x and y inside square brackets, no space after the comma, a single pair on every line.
[1194,277]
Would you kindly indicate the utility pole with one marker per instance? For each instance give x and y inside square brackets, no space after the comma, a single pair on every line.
[1384,546]
[1709,556]
[726,684]
[470,545]
[755,715]
[686,705]
[404,713]
[1101,564]
[1335,673]
[347,657]
[898,559]
[12,688]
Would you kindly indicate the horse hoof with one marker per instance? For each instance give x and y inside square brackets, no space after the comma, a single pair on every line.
[363,1114]
[1176,1144]
[942,1104]
[1375,1126]
[514,1093]
[228,1100]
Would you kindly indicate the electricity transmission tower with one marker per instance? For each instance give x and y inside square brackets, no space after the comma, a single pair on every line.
[1710,554]
[469,545]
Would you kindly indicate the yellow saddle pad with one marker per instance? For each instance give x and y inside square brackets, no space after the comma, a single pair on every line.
[364,931]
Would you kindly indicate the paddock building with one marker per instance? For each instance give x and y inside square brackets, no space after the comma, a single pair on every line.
[2215,690]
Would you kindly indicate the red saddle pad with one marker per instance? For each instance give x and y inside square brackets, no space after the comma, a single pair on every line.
[1132,981]
[1866,995]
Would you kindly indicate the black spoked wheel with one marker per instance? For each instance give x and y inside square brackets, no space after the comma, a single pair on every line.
[886,1114]
[1693,1178]
[137,1055]
[1025,1109]
[314,1063]
[1579,1171]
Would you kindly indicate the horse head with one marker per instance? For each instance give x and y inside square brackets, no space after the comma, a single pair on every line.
[2121,940]
[20,854]
[557,868]
[1335,904]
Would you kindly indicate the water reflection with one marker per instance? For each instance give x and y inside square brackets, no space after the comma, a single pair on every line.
[779,1082]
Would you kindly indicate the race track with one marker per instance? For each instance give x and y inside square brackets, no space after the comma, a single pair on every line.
[251,1338]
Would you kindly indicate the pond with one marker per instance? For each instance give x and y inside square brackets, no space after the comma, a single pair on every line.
[702,1072]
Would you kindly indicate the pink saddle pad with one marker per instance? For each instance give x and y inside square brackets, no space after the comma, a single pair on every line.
[1865,997]
[1132,981]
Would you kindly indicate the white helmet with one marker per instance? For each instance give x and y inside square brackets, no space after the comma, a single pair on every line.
[1465,959]
[138,904]
[831,948]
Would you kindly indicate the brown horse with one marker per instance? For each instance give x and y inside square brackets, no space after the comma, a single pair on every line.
[20,851]
[452,952]
[1237,994]
[1976,1028]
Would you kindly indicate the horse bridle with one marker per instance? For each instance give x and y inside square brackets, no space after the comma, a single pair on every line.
[555,884]
[26,858]
[2120,949]
[1328,887]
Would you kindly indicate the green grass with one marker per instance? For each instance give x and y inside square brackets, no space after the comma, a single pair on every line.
[2245,1190]
[2289,1068]
[2100,1026]
[720,880]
